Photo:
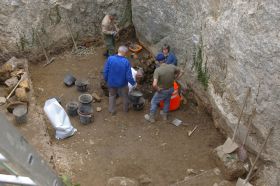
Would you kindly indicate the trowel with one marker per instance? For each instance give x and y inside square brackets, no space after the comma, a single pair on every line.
[230,146]
[241,182]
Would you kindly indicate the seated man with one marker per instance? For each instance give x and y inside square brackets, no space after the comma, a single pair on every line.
[169,57]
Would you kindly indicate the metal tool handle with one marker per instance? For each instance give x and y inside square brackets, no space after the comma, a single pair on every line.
[241,113]
[249,126]
[21,78]
[42,46]
[259,153]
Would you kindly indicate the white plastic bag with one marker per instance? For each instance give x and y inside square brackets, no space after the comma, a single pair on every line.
[134,72]
[59,119]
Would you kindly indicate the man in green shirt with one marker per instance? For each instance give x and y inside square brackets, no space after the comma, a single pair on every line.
[164,77]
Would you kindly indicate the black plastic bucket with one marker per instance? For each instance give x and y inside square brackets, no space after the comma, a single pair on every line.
[85,118]
[81,85]
[134,96]
[72,108]
[20,113]
[85,99]
[69,80]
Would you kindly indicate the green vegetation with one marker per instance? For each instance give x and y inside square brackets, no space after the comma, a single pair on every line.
[21,44]
[202,73]
[67,181]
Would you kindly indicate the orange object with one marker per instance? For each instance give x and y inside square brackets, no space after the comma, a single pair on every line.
[135,48]
[175,100]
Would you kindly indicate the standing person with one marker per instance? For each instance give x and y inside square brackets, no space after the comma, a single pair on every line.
[109,30]
[117,73]
[169,57]
[164,77]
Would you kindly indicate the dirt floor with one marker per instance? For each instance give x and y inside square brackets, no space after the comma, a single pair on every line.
[122,145]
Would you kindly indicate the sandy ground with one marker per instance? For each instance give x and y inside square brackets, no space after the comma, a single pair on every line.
[121,145]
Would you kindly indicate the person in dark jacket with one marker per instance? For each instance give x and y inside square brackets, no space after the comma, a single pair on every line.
[117,73]
[169,57]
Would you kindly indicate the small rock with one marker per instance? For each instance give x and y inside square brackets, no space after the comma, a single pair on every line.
[217,171]
[17,73]
[144,179]
[20,64]
[2,100]
[7,68]
[191,172]
[96,97]
[4,75]
[91,142]
[21,94]
[12,63]
[11,82]
[24,84]
[224,183]
[98,109]
[121,181]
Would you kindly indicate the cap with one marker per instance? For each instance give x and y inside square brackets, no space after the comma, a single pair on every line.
[160,57]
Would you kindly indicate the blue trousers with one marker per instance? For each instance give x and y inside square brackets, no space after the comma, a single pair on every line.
[163,95]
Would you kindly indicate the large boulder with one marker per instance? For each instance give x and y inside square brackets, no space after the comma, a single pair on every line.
[241,48]
[21,20]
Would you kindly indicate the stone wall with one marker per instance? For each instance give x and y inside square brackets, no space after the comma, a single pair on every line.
[241,48]
[20,20]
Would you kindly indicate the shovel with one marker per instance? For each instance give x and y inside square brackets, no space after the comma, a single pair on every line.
[241,182]
[67,20]
[229,146]
[242,153]
[49,61]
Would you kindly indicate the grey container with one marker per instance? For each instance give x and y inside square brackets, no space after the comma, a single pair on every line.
[20,113]
[72,108]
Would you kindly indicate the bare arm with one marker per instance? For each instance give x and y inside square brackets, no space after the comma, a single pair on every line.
[155,85]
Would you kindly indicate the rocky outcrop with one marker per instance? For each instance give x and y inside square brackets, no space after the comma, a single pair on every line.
[240,48]
[20,20]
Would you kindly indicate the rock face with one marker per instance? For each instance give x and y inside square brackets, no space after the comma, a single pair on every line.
[241,49]
[20,20]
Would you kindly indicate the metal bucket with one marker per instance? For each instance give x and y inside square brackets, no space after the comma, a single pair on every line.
[20,113]
[72,108]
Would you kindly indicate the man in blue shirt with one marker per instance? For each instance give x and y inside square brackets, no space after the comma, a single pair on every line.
[117,73]
[169,57]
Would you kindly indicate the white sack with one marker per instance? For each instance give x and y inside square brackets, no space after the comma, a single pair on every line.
[59,119]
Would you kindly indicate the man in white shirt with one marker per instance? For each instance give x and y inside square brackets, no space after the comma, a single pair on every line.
[109,30]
